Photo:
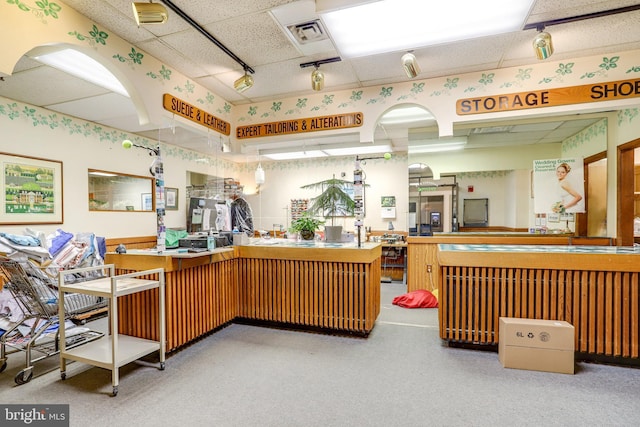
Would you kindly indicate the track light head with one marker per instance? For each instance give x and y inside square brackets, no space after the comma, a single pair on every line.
[317,79]
[149,13]
[410,65]
[243,83]
[542,44]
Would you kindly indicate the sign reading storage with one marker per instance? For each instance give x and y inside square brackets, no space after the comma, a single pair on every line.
[550,98]
[193,113]
[313,124]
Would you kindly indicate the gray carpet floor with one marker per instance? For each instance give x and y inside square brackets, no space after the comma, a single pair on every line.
[401,375]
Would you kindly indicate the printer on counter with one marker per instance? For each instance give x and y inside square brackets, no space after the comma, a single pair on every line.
[199,241]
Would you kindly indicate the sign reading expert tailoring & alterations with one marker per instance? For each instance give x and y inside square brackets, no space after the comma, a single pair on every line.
[313,124]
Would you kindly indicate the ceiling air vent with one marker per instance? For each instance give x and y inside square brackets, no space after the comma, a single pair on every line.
[308,32]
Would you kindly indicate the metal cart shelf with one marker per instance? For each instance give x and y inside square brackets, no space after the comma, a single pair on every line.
[38,332]
[116,350]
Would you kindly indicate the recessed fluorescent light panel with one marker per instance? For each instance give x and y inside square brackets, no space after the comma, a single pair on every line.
[84,67]
[352,151]
[368,28]
[438,145]
[295,155]
[403,115]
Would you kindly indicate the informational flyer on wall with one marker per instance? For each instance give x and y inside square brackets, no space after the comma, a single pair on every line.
[558,186]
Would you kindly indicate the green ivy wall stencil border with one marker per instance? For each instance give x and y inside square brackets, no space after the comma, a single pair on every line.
[628,115]
[484,174]
[41,10]
[597,130]
[72,126]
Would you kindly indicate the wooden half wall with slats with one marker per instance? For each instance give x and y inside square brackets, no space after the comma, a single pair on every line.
[335,289]
[338,296]
[597,293]
[326,289]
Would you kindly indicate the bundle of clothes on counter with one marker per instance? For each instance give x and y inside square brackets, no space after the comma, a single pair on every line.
[42,257]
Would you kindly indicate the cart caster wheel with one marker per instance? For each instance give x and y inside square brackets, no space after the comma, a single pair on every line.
[24,376]
[115,392]
[4,366]
[162,366]
[63,376]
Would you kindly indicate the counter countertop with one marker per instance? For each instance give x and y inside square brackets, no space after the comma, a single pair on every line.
[175,253]
[626,250]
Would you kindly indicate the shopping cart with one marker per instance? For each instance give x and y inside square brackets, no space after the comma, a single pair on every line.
[36,292]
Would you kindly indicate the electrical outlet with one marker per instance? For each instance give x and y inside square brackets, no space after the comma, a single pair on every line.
[429,268]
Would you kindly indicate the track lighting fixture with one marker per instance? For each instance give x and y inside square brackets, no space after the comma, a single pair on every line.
[410,65]
[317,79]
[317,76]
[149,13]
[243,83]
[542,44]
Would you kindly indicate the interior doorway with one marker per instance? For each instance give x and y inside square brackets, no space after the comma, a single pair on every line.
[628,194]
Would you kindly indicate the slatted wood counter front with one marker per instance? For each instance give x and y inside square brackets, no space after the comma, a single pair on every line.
[331,288]
[201,294]
[334,288]
[594,288]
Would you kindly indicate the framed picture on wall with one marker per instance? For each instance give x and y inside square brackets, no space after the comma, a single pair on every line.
[171,195]
[32,190]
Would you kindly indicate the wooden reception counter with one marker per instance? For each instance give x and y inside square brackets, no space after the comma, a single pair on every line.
[201,293]
[315,285]
[332,287]
[422,253]
[595,288]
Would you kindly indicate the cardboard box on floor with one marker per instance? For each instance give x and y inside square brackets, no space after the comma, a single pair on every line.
[538,345]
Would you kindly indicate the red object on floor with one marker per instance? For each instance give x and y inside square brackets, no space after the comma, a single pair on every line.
[416,299]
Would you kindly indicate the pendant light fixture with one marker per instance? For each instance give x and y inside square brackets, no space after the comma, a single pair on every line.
[259,174]
[149,13]
[317,79]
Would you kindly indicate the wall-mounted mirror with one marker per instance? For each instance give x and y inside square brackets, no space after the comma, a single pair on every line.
[112,191]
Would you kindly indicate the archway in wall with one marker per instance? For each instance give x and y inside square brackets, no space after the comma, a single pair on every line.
[42,77]
[398,126]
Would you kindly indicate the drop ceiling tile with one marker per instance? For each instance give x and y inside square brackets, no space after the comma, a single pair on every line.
[97,108]
[44,85]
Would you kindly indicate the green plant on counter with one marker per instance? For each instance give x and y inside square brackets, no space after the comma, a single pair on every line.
[306,225]
[334,199]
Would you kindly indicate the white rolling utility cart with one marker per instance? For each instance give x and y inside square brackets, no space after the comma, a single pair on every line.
[114,350]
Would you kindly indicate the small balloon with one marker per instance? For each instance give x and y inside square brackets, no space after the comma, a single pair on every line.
[127,144]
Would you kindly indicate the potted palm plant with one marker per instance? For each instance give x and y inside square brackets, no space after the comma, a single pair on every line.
[306,225]
[332,202]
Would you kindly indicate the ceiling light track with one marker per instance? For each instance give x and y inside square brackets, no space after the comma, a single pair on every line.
[320,62]
[542,24]
[210,37]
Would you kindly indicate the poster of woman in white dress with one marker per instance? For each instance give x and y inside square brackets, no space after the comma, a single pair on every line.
[558,186]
